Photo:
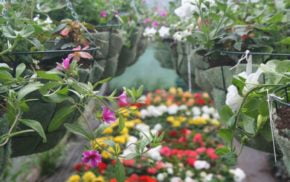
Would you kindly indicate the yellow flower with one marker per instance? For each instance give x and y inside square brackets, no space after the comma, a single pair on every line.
[215,122]
[74,178]
[136,121]
[108,130]
[100,179]
[176,124]
[181,119]
[173,90]
[198,121]
[121,139]
[100,142]
[179,91]
[124,131]
[89,177]
[170,118]
[129,124]
[124,112]
[106,155]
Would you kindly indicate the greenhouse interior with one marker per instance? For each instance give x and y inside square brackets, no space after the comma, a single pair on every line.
[145,91]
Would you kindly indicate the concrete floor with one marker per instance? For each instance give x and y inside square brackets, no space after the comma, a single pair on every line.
[256,165]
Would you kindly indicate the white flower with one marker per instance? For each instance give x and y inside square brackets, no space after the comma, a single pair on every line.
[212,111]
[205,109]
[189,179]
[158,127]
[207,178]
[161,176]
[149,32]
[188,173]
[170,170]
[196,111]
[239,174]
[252,81]
[154,111]
[175,179]
[144,113]
[164,32]
[162,108]
[154,153]
[216,115]
[36,18]
[131,140]
[182,107]
[185,11]
[178,36]
[142,127]
[199,164]
[233,99]
[48,20]
[172,109]
[205,116]
[168,165]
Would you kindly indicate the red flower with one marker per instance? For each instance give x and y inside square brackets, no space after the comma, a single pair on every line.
[173,133]
[102,167]
[182,140]
[82,167]
[166,151]
[200,150]
[152,170]
[185,132]
[136,178]
[190,161]
[197,138]
[210,152]
[113,180]
[200,101]
[129,163]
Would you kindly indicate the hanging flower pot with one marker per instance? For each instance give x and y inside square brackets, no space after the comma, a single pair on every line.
[165,54]
[128,54]
[281,116]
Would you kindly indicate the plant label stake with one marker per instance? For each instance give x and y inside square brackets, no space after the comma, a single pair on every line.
[270,107]
[189,51]
[249,58]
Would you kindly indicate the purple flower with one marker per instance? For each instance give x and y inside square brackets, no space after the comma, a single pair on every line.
[123,100]
[103,14]
[147,20]
[155,24]
[91,157]
[65,65]
[162,12]
[108,115]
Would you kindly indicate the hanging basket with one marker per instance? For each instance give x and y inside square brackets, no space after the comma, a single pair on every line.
[164,54]
[128,54]
[44,111]
[281,117]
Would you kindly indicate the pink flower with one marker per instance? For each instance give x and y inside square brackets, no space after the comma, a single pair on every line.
[79,54]
[152,170]
[147,20]
[103,14]
[200,150]
[65,31]
[162,12]
[155,24]
[198,139]
[123,100]
[91,157]
[210,152]
[65,65]
[166,151]
[190,161]
[108,115]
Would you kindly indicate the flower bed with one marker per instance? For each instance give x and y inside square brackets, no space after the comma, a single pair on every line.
[190,147]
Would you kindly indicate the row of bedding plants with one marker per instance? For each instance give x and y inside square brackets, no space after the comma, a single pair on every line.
[49,70]
[183,130]
[195,33]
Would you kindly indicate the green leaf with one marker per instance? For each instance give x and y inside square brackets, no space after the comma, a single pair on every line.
[49,75]
[5,76]
[102,82]
[20,69]
[227,135]
[78,130]
[60,117]
[121,123]
[29,89]
[119,171]
[26,31]
[285,41]
[225,114]
[249,124]
[222,151]
[35,125]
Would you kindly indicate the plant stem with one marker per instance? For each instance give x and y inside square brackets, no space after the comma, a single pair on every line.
[10,48]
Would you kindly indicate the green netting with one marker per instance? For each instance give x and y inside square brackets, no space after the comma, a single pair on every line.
[141,48]
[202,81]
[163,53]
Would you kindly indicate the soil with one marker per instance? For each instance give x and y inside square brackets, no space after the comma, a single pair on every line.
[283,121]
